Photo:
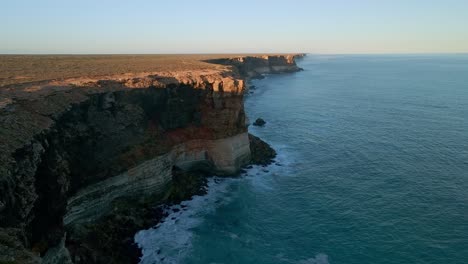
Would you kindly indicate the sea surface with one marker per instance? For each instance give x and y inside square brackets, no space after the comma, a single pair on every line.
[372,167]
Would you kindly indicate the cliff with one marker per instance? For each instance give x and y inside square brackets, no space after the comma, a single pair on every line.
[256,66]
[70,148]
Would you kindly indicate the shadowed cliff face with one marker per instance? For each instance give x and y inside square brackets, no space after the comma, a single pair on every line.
[70,149]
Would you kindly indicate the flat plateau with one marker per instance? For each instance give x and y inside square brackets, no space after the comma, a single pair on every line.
[28,69]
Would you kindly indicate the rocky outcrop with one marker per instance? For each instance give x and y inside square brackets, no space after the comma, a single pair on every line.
[222,156]
[261,152]
[259,122]
[256,66]
[70,149]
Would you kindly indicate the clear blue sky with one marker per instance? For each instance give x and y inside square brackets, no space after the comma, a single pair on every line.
[202,26]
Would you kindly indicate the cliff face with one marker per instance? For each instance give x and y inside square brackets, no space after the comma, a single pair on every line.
[70,148]
[256,66]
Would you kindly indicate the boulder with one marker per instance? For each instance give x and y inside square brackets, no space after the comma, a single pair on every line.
[259,122]
[261,152]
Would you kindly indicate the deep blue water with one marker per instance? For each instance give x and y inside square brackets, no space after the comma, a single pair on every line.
[372,168]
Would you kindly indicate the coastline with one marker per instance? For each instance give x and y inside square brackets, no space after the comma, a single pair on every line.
[58,106]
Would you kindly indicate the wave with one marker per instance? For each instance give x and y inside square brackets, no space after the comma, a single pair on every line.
[170,241]
[318,259]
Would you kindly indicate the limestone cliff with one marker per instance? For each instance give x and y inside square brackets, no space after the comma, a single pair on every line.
[70,148]
[256,66]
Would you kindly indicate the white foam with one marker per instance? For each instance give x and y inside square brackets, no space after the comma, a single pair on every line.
[171,240]
[318,259]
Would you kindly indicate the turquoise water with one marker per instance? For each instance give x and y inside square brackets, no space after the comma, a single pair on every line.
[372,168]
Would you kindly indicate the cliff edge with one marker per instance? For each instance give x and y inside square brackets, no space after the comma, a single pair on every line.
[72,147]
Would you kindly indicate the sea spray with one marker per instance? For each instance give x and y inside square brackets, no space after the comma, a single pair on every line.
[170,241]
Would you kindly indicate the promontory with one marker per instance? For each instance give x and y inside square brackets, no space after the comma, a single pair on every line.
[89,144]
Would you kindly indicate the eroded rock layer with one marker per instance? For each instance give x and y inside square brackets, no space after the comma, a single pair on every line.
[256,66]
[71,148]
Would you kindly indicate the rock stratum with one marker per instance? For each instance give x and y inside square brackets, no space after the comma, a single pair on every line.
[75,149]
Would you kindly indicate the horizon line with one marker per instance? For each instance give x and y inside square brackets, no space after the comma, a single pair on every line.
[241,53]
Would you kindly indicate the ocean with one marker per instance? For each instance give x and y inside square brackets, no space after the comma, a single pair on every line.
[372,167]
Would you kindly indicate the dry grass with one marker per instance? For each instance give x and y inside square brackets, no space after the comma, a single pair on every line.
[20,69]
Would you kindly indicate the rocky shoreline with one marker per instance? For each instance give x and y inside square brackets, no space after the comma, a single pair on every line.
[100,243]
[85,161]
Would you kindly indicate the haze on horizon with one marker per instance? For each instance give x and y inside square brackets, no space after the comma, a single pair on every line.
[183,26]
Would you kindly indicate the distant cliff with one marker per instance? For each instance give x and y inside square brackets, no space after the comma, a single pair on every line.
[71,148]
[256,66]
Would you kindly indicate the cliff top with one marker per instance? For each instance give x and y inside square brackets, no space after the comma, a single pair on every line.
[27,69]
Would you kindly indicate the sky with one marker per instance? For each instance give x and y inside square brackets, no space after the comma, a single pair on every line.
[242,26]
